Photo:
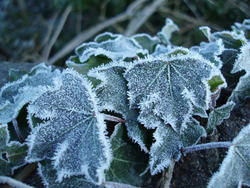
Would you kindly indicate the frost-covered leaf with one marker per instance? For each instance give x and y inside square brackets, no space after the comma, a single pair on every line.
[192,133]
[242,90]
[15,75]
[147,42]
[73,131]
[171,85]
[243,59]
[211,51]
[49,178]
[116,48]
[235,168]
[112,94]
[12,154]
[166,147]
[161,49]
[217,116]
[128,162]
[231,39]
[167,30]
[245,25]
[14,95]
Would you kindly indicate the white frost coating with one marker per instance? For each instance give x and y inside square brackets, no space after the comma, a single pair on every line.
[65,137]
[243,60]
[168,29]
[60,150]
[40,173]
[13,182]
[117,49]
[234,169]
[207,32]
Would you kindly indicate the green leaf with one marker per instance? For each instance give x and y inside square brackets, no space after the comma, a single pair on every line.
[15,75]
[147,42]
[14,95]
[171,85]
[12,154]
[235,168]
[49,178]
[167,30]
[217,116]
[129,161]
[73,131]
[216,82]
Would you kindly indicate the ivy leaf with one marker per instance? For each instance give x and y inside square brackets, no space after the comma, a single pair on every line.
[49,178]
[14,95]
[211,51]
[73,131]
[146,41]
[192,133]
[112,94]
[217,116]
[231,39]
[235,168]
[166,148]
[177,83]
[116,48]
[129,162]
[167,30]
[242,90]
[12,154]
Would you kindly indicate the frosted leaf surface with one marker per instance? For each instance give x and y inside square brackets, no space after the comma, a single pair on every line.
[192,133]
[242,90]
[179,82]
[167,30]
[161,49]
[245,25]
[146,41]
[128,162]
[49,178]
[14,95]
[166,148]
[12,154]
[235,168]
[116,49]
[73,133]
[211,51]
[217,116]
[243,60]
[112,94]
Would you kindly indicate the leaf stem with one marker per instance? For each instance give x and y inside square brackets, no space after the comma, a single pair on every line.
[211,145]
[19,135]
[113,118]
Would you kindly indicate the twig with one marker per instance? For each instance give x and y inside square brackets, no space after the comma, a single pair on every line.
[165,181]
[206,146]
[13,182]
[57,32]
[85,35]
[189,18]
[142,17]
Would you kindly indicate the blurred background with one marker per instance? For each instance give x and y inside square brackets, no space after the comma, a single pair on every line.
[49,30]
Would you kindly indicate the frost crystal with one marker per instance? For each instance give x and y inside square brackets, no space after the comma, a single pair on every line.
[235,168]
[73,131]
